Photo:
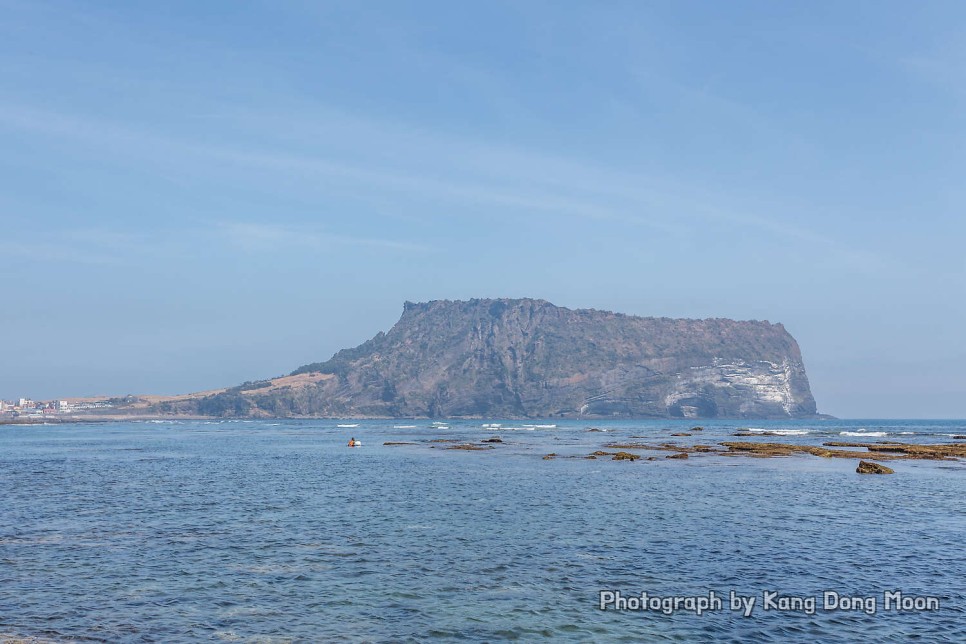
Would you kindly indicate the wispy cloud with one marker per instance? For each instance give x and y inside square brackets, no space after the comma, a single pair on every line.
[251,236]
[85,245]
[98,246]
[939,71]
[368,157]
[59,251]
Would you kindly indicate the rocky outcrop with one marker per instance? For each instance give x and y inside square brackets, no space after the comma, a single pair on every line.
[528,358]
[868,467]
[625,456]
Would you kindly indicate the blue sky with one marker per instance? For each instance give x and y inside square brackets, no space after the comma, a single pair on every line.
[195,194]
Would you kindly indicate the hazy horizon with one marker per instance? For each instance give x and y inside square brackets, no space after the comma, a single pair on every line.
[200,194]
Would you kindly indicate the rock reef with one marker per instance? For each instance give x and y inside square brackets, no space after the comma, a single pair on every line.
[861,451]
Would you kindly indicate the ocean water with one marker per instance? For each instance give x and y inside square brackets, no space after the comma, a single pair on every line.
[275,531]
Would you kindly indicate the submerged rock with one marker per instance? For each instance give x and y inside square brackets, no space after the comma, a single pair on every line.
[908,450]
[681,434]
[697,429]
[868,467]
[679,455]
[786,449]
[625,456]
[550,456]
[492,440]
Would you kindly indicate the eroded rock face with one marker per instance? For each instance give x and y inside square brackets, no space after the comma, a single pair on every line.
[529,358]
[742,388]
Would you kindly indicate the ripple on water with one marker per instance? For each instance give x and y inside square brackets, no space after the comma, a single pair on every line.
[257,532]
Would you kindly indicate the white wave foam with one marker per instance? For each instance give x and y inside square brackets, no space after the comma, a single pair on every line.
[864,433]
[780,432]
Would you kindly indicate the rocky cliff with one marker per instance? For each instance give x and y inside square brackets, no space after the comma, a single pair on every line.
[529,358]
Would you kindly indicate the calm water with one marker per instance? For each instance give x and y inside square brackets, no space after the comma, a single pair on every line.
[276,531]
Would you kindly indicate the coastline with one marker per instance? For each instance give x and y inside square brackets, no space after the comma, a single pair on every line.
[90,420]
[81,418]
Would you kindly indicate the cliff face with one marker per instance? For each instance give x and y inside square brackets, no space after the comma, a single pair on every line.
[528,358]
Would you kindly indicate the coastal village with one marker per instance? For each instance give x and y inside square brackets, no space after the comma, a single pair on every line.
[33,409]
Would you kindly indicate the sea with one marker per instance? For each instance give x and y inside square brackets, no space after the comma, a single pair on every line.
[276,531]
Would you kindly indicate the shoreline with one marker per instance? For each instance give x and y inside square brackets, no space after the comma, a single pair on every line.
[654,447]
[148,416]
[92,420]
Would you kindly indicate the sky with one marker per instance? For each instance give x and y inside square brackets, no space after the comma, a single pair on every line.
[196,194]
